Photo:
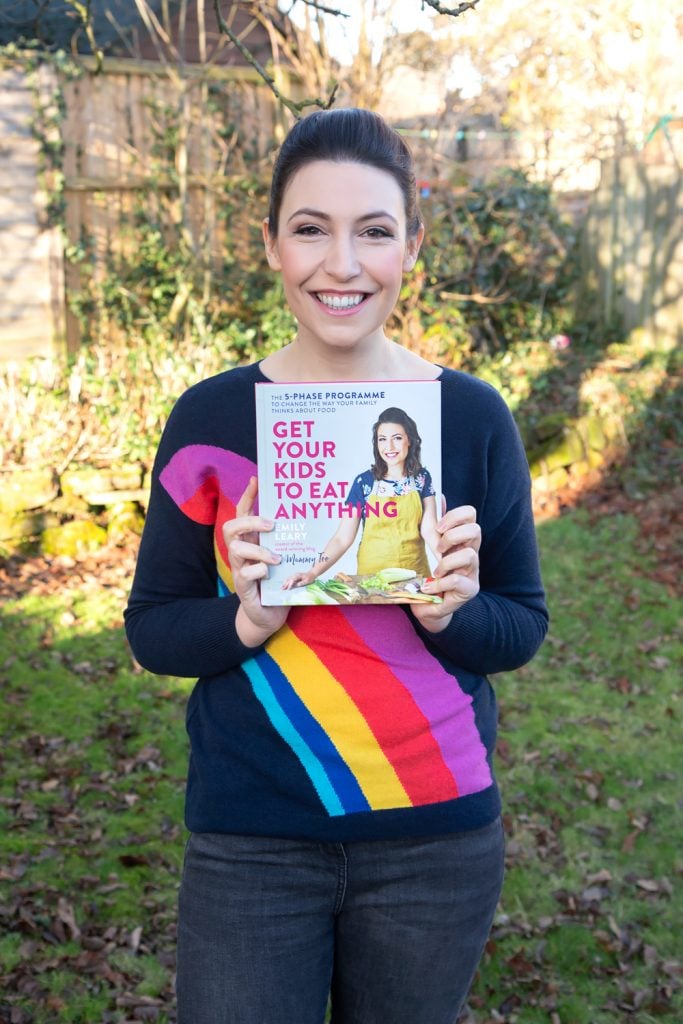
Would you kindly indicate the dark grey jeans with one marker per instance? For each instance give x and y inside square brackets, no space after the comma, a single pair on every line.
[393,930]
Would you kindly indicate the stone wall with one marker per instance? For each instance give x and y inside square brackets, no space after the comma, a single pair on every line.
[73,514]
[570,455]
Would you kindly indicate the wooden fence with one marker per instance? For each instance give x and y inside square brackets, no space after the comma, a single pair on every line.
[31,274]
[633,246]
[139,131]
[135,131]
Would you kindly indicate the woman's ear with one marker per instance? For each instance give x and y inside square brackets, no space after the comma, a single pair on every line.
[413,248]
[272,254]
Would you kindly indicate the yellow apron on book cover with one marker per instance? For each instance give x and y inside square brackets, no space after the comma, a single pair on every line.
[394,541]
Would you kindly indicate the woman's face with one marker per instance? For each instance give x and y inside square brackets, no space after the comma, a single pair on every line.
[393,446]
[342,250]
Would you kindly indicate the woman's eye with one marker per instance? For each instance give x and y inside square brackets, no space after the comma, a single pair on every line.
[377,233]
[307,229]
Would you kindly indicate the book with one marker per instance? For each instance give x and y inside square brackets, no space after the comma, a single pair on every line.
[350,475]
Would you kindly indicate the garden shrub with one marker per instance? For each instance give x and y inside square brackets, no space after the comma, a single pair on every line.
[496,268]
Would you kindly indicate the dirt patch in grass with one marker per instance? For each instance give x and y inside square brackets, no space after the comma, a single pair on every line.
[111,567]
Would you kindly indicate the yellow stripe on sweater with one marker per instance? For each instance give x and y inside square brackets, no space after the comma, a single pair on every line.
[333,709]
[224,570]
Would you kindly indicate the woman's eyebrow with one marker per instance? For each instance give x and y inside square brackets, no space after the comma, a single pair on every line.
[307,211]
[376,214]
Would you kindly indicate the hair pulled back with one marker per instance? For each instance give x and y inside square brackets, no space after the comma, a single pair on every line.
[413,463]
[348,134]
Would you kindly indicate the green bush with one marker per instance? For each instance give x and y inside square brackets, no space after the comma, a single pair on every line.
[157,314]
[496,269]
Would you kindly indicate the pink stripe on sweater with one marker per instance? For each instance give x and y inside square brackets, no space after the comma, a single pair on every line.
[444,704]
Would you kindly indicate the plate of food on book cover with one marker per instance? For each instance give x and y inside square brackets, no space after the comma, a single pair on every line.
[388,586]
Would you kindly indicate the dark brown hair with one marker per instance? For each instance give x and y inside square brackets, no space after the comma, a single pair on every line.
[353,135]
[413,463]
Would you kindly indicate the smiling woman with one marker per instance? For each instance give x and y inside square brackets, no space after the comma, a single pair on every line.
[342,247]
[345,821]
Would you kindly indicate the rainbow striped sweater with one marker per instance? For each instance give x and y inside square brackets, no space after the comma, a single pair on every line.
[349,723]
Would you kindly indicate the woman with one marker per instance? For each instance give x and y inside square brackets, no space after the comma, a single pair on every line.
[397,474]
[345,821]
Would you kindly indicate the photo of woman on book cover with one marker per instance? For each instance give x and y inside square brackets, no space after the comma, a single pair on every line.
[401,489]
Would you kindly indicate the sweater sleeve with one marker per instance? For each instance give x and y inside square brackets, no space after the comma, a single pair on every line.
[176,622]
[504,625]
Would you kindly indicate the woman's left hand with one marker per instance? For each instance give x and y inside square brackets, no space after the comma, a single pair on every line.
[456,575]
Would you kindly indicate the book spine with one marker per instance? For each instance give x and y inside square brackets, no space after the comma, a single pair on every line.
[263,463]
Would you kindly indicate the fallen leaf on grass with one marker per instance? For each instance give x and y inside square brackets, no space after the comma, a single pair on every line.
[135,938]
[65,913]
[594,894]
[648,884]
[604,875]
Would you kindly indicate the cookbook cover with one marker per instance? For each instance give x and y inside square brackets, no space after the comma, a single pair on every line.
[350,474]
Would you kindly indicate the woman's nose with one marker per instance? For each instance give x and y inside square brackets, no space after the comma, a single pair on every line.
[341,260]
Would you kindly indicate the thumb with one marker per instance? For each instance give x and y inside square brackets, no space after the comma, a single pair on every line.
[245,506]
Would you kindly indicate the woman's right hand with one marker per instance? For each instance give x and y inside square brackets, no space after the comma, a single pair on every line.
[249,562]
[299,579]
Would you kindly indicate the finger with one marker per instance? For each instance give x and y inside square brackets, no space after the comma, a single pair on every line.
[467,535]
[242,551]
[462,561]
[252,571]
[293,582]
[245,505]
[459,587]
[245,525]
[457,517]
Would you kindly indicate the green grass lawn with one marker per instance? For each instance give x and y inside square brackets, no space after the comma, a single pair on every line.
[588,931]
[93,765]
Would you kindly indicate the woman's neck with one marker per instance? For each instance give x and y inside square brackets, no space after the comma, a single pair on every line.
[384,361]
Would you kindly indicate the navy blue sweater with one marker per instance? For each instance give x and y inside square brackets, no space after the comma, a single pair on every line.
[349,723]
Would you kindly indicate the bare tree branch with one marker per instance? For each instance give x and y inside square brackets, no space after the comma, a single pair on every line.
[158,35]
[84,13]
[322,9]
[310,61]
[453,12]
[296,109]
[478,297]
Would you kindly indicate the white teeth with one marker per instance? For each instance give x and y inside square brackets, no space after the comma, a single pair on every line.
[339,301]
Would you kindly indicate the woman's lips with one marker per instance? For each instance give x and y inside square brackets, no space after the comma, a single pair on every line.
[341,304]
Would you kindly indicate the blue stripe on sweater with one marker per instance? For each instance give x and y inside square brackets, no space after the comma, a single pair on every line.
[333,781]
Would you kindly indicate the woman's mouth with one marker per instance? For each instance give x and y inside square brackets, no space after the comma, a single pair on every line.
[341,303]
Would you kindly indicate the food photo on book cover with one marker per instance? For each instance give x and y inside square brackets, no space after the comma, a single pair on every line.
[350,475]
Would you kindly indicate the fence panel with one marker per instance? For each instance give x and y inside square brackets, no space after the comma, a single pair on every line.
[633,246]
[135,133]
